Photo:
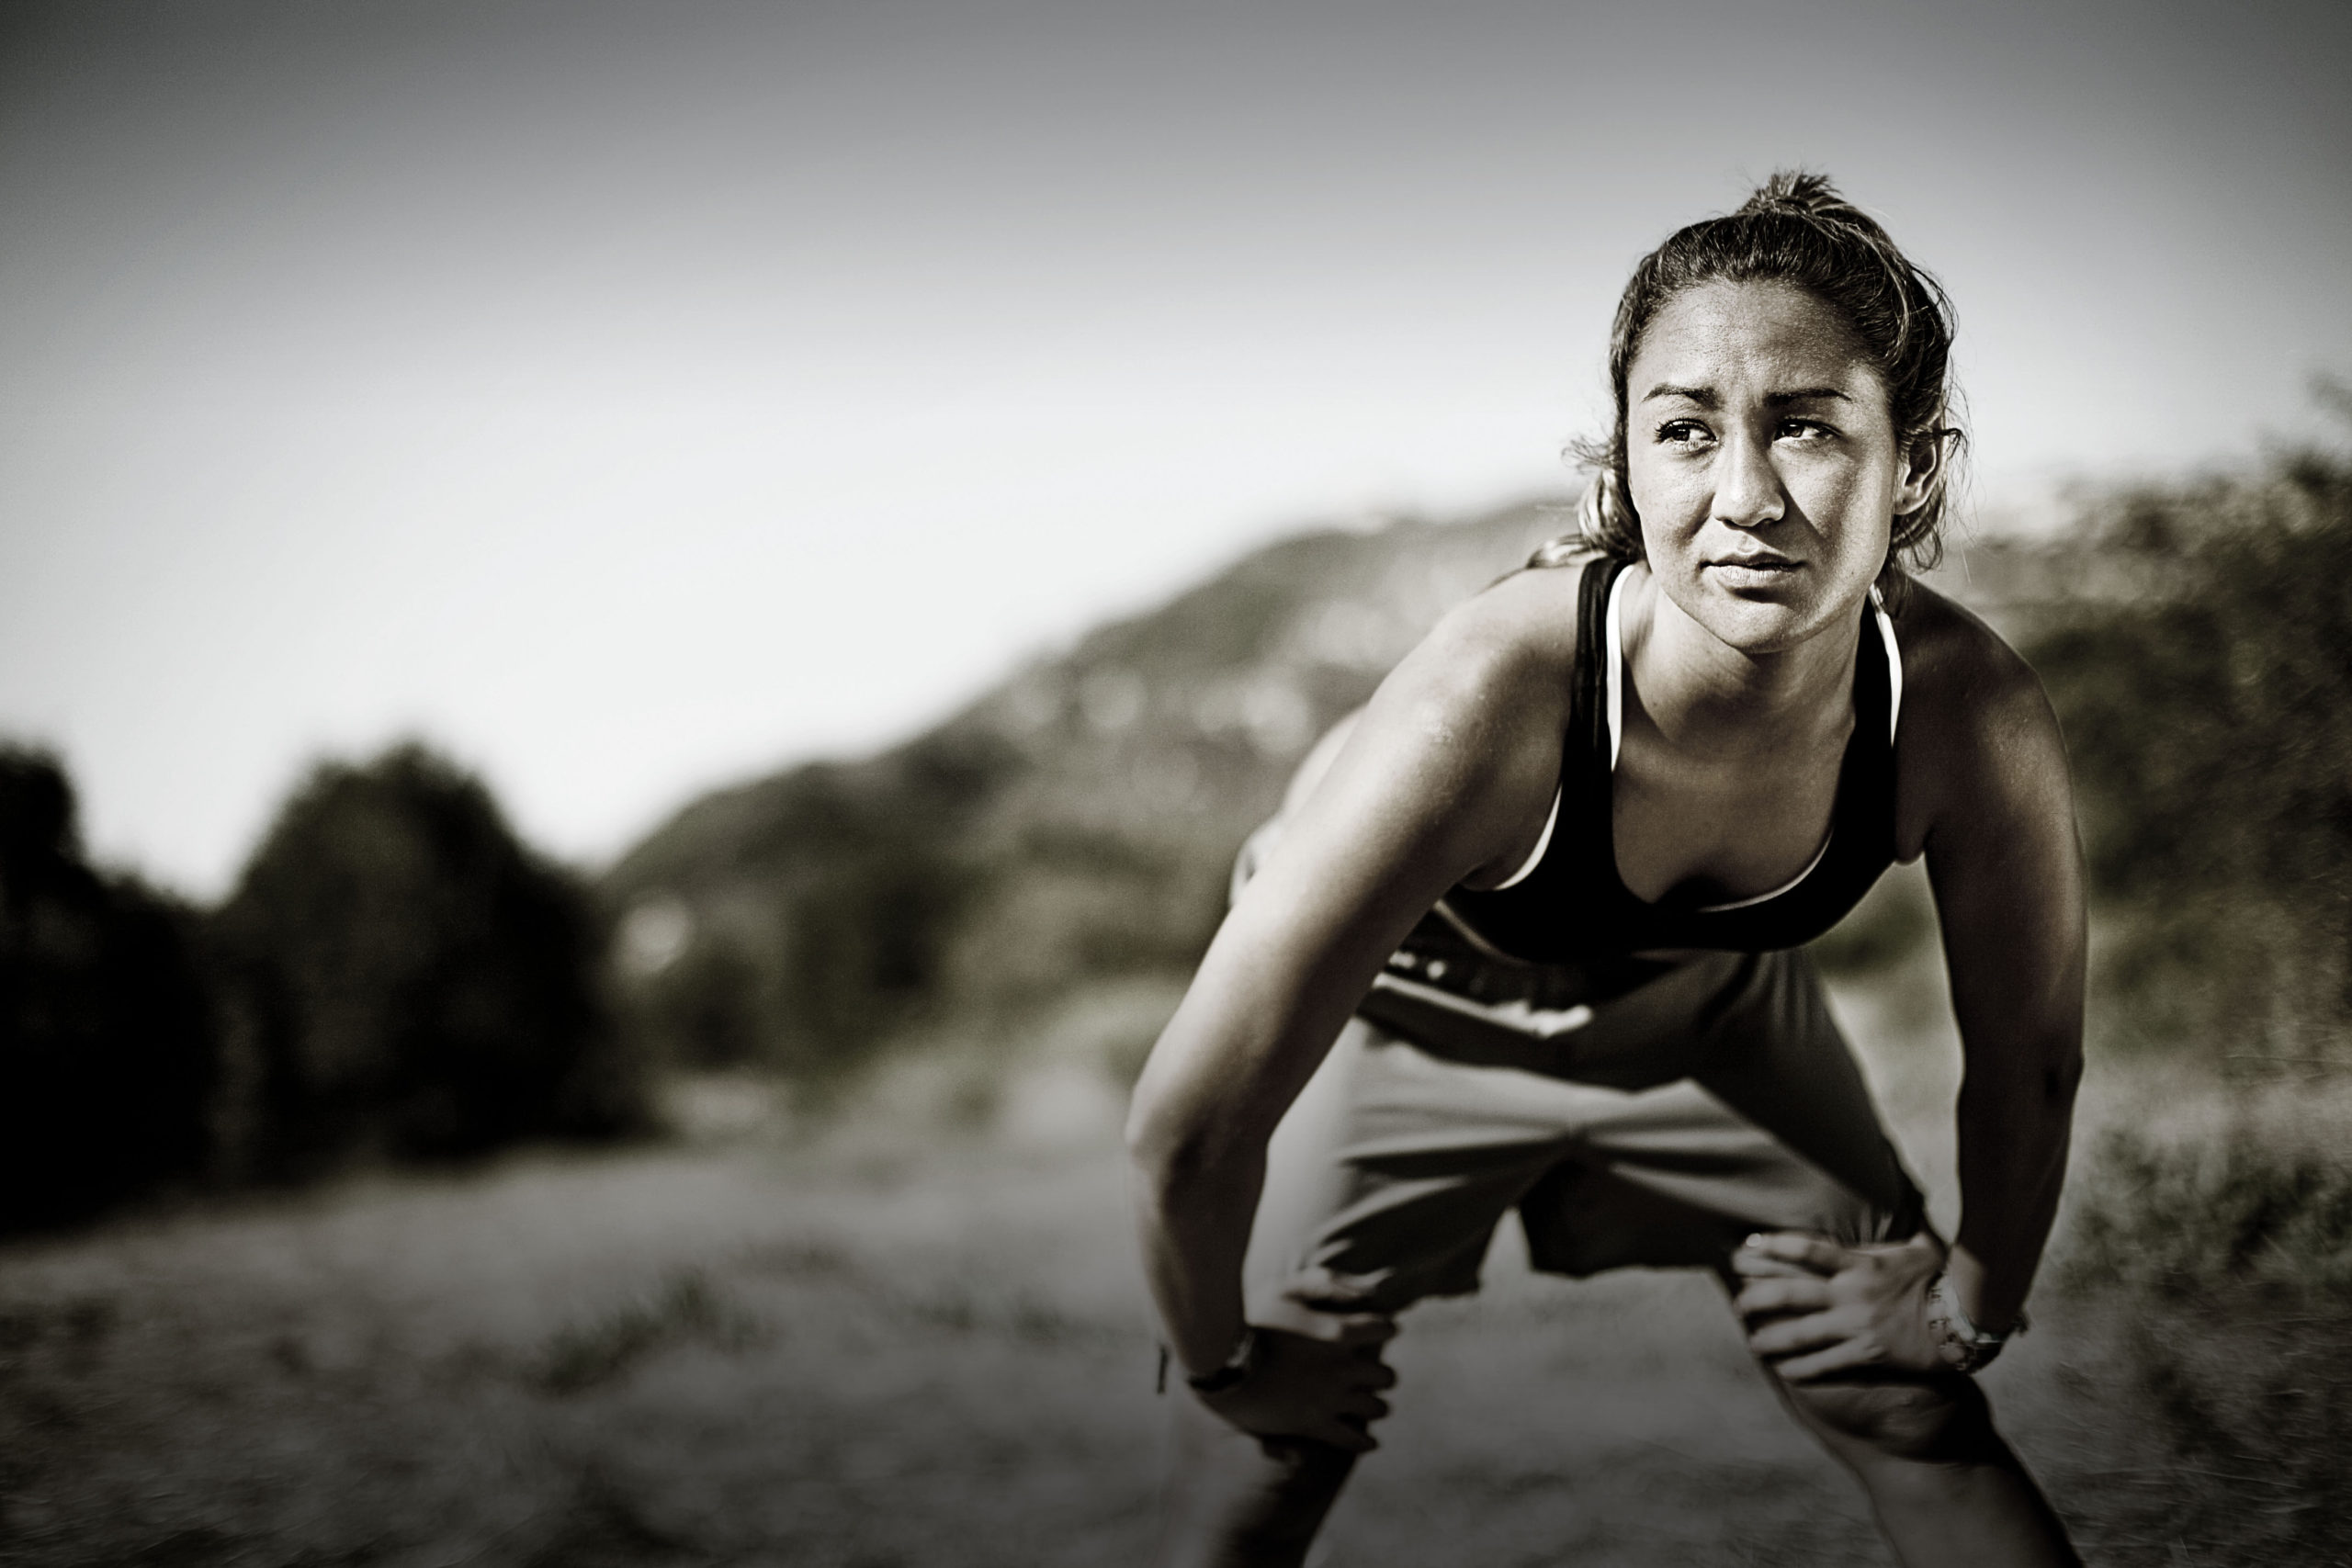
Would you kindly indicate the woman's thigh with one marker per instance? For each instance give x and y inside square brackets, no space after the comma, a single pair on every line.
[1719,1101]
[1386,1180]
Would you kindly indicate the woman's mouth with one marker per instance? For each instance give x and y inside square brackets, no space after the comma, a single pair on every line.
[1754,571]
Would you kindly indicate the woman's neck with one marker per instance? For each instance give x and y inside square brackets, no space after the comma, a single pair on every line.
[1704,696]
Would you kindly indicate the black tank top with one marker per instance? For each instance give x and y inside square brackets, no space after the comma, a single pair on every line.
[1571,906]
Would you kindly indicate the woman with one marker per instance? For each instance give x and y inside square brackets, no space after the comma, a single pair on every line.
[1579,835]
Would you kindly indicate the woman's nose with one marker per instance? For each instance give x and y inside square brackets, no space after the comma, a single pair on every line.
[1748,489]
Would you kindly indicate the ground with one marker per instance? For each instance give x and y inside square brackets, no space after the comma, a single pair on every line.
[891,1344]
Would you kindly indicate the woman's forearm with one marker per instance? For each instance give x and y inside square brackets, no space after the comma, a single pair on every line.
[1402,812]
[1205,1109]
[2014,1126]
[1195,1214]
[1249,1034]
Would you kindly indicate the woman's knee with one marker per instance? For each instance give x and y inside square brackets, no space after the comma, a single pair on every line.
[1929,1420]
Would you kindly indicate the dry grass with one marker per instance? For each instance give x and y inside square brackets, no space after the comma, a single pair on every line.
[904,1344]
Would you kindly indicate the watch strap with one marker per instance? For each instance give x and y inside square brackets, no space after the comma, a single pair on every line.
[1236,1365]
[1960,1344]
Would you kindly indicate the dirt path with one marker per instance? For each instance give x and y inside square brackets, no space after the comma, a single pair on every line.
[866,1354]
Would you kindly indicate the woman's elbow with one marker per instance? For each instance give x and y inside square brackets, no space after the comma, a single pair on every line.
[2037,1081]
[2062,1077]
[1149,1136]
[2055,1068]
[1162,1137]
[1179,1148]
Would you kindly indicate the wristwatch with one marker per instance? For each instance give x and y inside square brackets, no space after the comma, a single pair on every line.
[1236,1366]
[1963,1347]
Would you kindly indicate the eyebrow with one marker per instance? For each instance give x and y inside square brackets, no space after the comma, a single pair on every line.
[1706,397]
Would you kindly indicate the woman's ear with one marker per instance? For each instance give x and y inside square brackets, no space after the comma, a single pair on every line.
[1923,471]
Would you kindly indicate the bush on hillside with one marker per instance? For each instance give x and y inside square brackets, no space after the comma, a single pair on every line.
[2206,712]
[2235,1204]
[106,1058]
[863,884]
[704,1005]
[404,978]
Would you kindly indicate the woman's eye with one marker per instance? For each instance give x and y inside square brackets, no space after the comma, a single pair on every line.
[1682,432]
[1806,430]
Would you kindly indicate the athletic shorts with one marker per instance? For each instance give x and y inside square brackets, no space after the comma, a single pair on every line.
[1660,1127]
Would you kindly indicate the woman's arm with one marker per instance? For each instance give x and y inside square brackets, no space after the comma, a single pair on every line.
[1450,764]
[2006,867]
[1985,790]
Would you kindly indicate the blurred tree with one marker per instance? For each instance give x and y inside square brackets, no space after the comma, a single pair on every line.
[703,1009]
[817,909]
[404,978]
[2205,699]
[106,1058]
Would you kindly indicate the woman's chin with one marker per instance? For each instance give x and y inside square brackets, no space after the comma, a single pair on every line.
[1760,623]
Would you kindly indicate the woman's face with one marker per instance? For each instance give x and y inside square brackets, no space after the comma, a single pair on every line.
[1764,463]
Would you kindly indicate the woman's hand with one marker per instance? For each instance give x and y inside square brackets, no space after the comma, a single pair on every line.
[1816,1308]
[1298,1387]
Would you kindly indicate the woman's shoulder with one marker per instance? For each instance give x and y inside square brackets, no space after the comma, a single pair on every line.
[1467,727]
[1955,667]
[1503,655]
[1527,619]
[1977,734]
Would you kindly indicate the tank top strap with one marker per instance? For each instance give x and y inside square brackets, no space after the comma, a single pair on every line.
[1569,905]
[1589,731]
[1591,706]
[1865,811]
[1885,624]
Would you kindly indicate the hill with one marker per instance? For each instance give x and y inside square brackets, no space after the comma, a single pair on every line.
[1073,825]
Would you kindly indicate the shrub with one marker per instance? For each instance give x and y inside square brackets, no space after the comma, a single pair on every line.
[2240,1416]
[405,978]
[814,912]
[2240,1203]
[702,1007]
[585,1354]
[2206,713]
[106,1052]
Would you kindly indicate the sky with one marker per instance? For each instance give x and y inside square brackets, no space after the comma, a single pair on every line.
[635,399]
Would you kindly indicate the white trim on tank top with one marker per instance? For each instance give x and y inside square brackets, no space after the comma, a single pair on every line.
[1612,638]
